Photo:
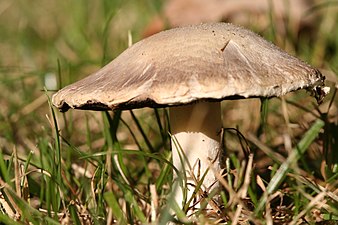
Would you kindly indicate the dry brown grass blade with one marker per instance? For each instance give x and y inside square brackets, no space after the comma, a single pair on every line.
[17,174]
[268,151]
[29,108]
[236,198]
[153,203]
[268,212]
[202,194]
[316,201]
[244,189]
[6,208]
[24,185]
[9,205]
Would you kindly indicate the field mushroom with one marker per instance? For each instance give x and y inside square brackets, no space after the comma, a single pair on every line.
[191,70]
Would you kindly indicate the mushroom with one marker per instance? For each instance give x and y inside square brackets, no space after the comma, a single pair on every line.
[191,70]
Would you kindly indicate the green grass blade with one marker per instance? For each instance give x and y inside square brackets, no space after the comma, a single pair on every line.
[263,116]
[3,169]
[111,200]
[28,213]
[56,180]
[163,132]
[295,155]
[74,215]
[163,177]
[156,156]
[111,125]
[130,198]
[4,219]
[146,139]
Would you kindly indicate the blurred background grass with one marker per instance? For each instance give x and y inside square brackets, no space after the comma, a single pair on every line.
[49,44]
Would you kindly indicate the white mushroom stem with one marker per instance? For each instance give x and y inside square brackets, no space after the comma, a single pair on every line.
[195,144]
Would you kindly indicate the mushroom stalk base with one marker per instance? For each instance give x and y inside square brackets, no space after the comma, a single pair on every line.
[195,147]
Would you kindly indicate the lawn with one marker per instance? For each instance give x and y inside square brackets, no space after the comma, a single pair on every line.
[90,167]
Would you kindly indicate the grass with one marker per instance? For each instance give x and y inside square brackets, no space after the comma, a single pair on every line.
[115,167]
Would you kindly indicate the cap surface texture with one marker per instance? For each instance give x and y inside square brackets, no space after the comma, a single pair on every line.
[179,66]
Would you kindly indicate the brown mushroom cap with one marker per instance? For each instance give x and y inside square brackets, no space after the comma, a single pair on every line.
[205,62]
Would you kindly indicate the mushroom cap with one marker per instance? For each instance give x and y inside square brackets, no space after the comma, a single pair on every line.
[183,65]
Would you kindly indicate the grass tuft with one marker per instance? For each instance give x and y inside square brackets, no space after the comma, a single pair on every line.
[280,164]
